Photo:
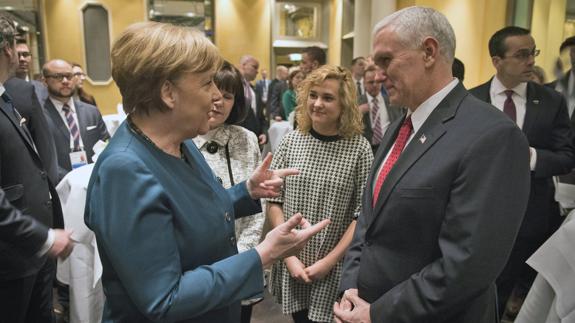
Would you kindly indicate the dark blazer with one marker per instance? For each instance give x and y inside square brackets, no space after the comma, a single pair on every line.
[20,230]
[393,113]
[27,187]
[443,226]
[256,122]
[564,81]
[25,99]
[547,129]
[165,231]
[92,129]
[274,105]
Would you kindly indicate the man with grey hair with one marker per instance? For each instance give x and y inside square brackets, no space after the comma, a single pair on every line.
[443,203]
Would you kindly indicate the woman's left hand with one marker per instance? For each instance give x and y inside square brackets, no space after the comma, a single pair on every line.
[265,182]
[318,270]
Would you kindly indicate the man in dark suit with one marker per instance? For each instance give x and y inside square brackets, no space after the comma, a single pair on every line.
[566,84]
[25,281]
[76,126]
[445,196]
[542,115]
[277,87]
[255,120]
[23,70]
[378,114]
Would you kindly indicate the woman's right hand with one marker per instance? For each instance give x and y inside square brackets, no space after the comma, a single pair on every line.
[285,240]
[297,269]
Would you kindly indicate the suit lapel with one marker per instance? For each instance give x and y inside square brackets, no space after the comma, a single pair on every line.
[57,120]
[7,110]
[532,108]
[432,129]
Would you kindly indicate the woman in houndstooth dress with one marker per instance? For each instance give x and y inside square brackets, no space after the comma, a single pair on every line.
[233,153]
[334,160]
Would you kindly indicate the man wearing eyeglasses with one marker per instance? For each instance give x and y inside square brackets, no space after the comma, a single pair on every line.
[541,113]
[76,126]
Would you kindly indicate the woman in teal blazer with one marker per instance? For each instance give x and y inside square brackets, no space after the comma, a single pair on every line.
[163,223]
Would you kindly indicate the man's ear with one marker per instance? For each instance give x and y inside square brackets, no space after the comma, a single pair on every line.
[315,65]
[168,94]
[495,60]
[430,50]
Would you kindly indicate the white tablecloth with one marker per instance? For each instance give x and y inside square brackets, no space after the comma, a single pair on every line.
[82,270]
[551,299]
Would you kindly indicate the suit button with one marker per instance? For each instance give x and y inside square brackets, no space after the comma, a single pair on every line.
[233,240]
[43,174]
[228,217]
[368,243]
[48,204]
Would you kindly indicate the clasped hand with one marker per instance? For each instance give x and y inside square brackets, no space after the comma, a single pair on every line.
[351,309]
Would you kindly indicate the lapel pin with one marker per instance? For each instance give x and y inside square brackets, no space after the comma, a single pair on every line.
[22,121]
[535,101]
[422,139]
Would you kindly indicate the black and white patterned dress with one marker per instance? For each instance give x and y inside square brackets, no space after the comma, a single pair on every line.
[333,172]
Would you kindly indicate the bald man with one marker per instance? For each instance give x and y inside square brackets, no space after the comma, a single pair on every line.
[75,125]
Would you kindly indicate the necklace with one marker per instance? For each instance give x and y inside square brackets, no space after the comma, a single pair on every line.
[140,133]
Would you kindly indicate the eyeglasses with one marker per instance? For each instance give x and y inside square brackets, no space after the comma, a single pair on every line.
[60,76]
[24,54]
[79,74]
[524,54]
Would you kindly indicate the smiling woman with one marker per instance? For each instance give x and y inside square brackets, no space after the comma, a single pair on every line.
[163,223]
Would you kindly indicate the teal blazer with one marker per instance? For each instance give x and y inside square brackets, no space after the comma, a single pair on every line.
[165,233]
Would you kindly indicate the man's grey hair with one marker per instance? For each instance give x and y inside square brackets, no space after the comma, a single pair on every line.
[246,58]
[413,24]
[7,31]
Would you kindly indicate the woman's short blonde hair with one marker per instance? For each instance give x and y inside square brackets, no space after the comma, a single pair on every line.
[148,53]
[350,121]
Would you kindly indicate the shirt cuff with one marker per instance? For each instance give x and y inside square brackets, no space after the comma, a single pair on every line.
[533,158]
[47,244]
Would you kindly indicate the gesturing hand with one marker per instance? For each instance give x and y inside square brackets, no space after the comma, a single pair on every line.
[285,240]
[265,182]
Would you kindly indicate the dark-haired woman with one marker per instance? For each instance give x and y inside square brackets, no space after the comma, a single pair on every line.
[233,154]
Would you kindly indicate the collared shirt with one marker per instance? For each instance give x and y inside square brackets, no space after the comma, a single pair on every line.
[361,86]
[418,117]
[498,97]
[2,89]
[381,113]
[251,96]
[59,105]
[519,97]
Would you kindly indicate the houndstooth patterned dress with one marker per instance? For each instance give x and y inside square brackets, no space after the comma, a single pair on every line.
[333,174]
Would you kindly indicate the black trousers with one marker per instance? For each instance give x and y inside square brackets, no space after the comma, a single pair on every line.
[28,299]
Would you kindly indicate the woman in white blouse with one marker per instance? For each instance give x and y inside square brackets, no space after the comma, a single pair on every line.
[233,153]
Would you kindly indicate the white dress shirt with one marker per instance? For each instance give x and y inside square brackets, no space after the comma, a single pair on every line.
[419,116]
[361,86]
[59,105]
[519,97]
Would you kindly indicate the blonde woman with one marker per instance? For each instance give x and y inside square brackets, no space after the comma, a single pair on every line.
[334,160]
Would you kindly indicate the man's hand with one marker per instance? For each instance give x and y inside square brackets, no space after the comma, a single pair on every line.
[262,139]
[63,244]
[265,182]
[297,269]
[351,309]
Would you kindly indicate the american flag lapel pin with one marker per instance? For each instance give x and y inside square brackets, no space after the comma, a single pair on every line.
[422,139]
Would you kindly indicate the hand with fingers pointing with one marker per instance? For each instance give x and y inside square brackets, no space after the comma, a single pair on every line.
[285,240]
[268,183]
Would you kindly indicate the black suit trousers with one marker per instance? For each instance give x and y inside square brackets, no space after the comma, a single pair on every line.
[28,299]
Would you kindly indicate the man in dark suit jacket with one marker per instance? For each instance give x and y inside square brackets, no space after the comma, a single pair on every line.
[437,220]
[276,90]
[566,84]
[255,120]
[367,106]
[25,98]
[25,281]
[59,80]
[542,115]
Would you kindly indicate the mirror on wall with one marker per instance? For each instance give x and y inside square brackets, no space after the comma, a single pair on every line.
[193,13]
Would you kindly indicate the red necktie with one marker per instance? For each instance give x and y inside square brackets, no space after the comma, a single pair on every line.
[509,106]
[400,142]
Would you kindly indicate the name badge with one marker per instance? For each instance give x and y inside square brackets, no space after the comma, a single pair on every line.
[78,159]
